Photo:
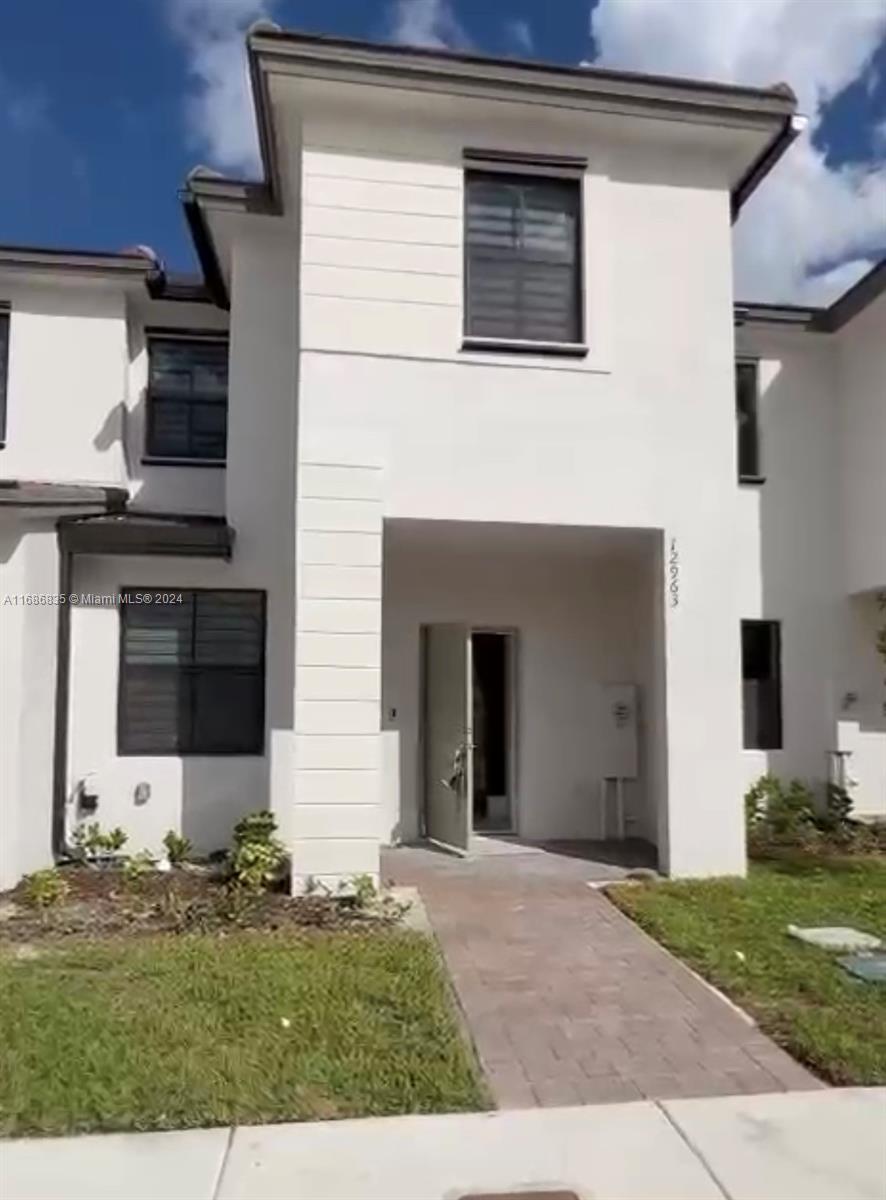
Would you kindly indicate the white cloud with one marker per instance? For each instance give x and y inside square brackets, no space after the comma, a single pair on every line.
[429,23]
[806,216]
[519,34]
[219,112]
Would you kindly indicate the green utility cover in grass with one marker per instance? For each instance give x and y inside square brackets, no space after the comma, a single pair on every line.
[869,967]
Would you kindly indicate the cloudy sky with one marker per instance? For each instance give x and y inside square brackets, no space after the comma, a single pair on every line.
[106,104]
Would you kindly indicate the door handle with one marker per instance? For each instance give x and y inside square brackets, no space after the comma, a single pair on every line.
[456,779]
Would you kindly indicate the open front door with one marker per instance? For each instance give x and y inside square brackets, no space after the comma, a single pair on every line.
[448,750]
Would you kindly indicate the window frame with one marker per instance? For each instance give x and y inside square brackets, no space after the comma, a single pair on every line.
[776,739]
[544,169]
[757,478]
[124,751]
[5,337]
[152,457]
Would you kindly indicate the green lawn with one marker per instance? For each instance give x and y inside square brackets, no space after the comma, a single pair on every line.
[733,932]
[168,1032]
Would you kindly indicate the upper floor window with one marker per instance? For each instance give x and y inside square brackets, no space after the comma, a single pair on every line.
[4,372]
[187,409]
[750,468]
[192,673]
[523,259]
[761,684]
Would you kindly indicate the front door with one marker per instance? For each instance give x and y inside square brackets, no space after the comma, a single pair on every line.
[448,749]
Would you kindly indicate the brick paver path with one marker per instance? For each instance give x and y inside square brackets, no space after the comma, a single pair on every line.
[568,1002]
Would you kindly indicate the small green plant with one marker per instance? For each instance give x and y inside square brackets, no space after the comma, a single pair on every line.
[178,847]
[257,855]
[364,892]
[91,842]
[780,813]
[45,889]
[137,867]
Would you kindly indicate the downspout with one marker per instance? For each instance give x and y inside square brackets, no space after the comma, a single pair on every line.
[62,698]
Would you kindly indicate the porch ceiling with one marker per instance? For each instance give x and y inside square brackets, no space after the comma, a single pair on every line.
[578,541]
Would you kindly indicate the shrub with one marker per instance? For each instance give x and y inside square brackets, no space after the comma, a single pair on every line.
[90,842]
[178,847]
[257,856]
[138,866]
[780,814]
[45,889]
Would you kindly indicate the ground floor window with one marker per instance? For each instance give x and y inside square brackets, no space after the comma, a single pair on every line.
[192,672]
[761,684]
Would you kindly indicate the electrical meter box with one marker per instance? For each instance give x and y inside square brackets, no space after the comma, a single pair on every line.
[619,744]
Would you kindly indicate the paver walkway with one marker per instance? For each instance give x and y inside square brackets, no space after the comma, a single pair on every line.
[568,1001]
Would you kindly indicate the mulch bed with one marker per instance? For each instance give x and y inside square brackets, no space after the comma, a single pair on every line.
[189,899]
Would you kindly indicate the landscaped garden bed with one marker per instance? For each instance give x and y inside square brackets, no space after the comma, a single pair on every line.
[204,994]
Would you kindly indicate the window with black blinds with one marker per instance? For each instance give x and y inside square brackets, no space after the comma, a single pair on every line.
[522,258]
[747,420]
[4,372]
[761,684]
[192,673]
[187,414]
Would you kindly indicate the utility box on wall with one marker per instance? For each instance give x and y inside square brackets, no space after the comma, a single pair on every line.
[619,743]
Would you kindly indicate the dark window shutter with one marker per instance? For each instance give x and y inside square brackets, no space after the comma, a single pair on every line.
[522,265]
[187,398]
[192,674]
[748,421]
[4,372]
[761,684]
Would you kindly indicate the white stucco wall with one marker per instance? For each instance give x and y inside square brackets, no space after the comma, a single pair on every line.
[579,607]
[28,568]
[632,436]
[861,352]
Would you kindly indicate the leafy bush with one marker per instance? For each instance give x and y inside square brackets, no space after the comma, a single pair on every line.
[257,856]
[45,889]
[91,843]
[780,813]
[139,865]
[178,848]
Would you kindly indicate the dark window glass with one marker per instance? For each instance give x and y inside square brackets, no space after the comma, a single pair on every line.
[747,418]
[761,684]
[192,674]
[522,258]
[4,372]
[187,398]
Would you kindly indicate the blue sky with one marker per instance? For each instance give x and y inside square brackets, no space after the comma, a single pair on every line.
[96,137]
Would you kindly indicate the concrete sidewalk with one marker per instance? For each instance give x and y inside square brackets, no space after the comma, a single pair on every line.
[826,1145]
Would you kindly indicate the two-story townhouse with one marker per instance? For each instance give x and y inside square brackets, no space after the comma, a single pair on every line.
[434,510]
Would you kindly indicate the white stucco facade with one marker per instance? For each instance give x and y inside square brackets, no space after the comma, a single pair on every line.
[381,477]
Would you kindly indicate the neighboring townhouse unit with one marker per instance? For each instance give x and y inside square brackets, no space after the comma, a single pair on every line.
[457,498]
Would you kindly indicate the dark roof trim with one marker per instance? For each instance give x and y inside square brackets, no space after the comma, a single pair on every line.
[26,493]
[163,534]
[84,262]
[582,87]
[858,297]
[819,320]
[791,129]
[187,289]
[206,253]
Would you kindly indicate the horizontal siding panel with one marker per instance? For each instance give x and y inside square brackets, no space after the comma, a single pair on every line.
[339,683]
[337,650]
[387,196]
[382,256]
[380,327]
[340,549]
[341,165]
[341,583]
[406,287]
[337,787]
[342,752]
[337,716]
[335,821]
[344,516]
[339,616]
[385,227]
[330,482]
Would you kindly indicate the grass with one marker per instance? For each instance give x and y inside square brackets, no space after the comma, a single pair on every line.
[733,932]
[171,1032]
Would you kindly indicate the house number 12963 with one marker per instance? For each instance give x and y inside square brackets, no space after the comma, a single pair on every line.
[673,574]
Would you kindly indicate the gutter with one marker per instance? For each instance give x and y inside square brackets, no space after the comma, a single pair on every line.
[791,129]
[206,253]
[62,704]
